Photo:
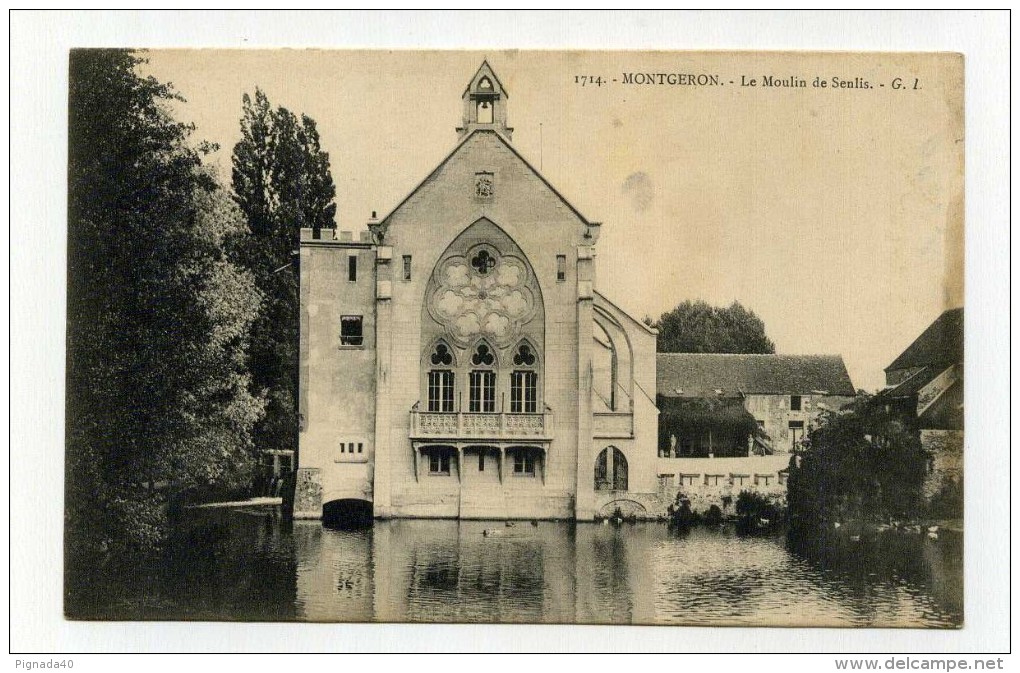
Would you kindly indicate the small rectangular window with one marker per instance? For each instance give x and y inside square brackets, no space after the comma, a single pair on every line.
[439,463]
[561,267]
[407,267]
[343,447]
[351,330]
[481,462]
[352,268]
[359,447]
[524,464]
[794,402]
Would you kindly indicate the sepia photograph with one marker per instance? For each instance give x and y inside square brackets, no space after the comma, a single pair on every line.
[515,336]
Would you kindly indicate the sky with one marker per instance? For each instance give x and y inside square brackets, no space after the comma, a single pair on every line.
[836,214]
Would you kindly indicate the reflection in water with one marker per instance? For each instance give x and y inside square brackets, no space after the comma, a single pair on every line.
[238,565]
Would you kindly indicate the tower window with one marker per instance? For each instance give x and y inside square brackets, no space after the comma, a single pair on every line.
[352,268]
[561,267]
[407,267]
[351,330]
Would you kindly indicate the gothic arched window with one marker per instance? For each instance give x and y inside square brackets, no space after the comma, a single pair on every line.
[611,470]
[482,380]
[524,381]
[441,378]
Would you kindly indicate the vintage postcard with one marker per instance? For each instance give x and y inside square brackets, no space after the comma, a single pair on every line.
[656,338]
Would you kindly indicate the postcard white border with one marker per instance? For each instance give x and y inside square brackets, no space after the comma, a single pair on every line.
[38,81]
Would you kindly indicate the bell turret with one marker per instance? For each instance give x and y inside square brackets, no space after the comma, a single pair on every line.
[485,104]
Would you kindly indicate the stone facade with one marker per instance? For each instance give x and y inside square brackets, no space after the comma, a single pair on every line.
[945,455]
[775,413]
[448,371]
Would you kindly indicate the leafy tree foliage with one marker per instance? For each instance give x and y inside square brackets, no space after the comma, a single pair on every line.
[859,464]
[158,395]
[281,182]
[697,327]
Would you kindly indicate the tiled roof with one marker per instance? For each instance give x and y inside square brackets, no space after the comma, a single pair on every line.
[703,374]
[940,344]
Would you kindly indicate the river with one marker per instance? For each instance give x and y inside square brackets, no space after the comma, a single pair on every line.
[238,564]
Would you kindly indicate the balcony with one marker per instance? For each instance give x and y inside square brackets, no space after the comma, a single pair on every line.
[467,426]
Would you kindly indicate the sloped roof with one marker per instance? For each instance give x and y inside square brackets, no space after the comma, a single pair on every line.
[702,374]
[616,307]
[940,344]
[913,384]
[946,412]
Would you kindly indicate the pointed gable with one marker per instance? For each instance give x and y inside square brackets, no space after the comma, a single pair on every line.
[485,71]
[458,150]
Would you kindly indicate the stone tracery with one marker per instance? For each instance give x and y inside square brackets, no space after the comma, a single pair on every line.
[483,293]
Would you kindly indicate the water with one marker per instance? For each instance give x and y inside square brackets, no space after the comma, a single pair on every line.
[250,565]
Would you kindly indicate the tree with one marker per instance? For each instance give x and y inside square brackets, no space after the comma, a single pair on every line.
[859,464]
[697,327]
[158,396]
[282,183]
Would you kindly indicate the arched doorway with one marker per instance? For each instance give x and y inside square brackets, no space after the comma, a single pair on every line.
[611,470]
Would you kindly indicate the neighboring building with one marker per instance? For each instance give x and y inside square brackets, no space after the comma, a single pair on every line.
[457,361]
[925,385]
[729,422]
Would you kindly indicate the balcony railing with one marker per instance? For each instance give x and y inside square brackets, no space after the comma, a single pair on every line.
[470,426]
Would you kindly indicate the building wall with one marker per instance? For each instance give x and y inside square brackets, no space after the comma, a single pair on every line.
[775,411]
[945,451]
[424,226]
[718,481]
[337,388]
[633,426]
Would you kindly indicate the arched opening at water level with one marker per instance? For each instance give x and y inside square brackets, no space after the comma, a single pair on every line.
[347,513]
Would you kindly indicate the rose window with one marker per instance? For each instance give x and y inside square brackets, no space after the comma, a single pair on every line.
[483,294]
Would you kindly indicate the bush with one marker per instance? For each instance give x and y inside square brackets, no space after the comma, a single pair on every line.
[948,502]
[680,513]
[758,513]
